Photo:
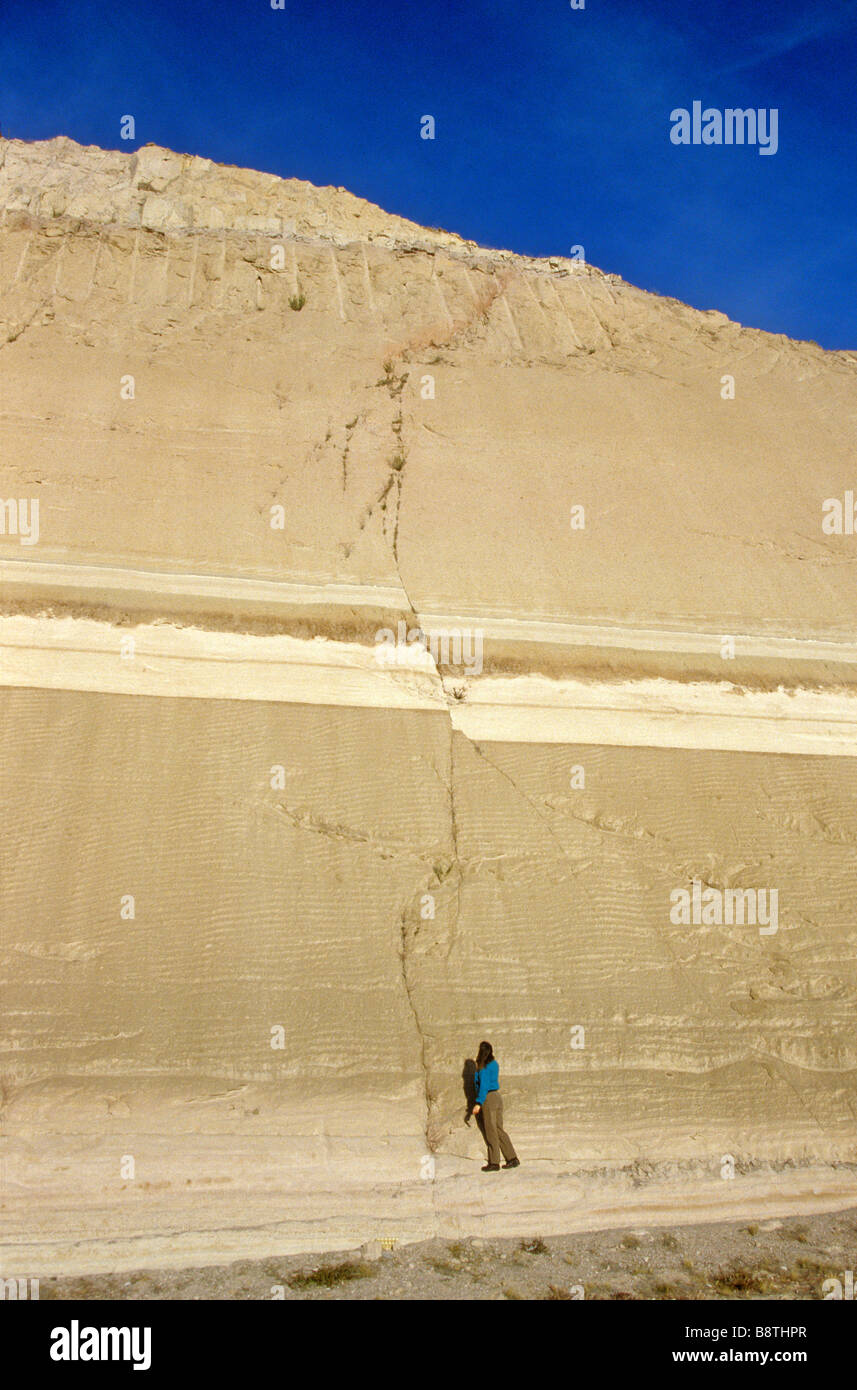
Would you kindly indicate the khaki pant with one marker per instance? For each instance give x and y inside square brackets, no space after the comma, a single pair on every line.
[492,1127]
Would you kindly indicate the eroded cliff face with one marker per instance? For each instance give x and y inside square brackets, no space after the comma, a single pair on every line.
[262,894]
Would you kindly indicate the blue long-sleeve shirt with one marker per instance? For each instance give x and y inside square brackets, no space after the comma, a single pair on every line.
[487,1080]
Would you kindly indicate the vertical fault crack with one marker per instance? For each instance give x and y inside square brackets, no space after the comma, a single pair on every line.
[453,821]
[409,993]
[406,954]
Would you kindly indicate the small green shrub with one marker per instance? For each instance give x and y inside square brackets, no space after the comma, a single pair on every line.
[738,1279]
[534,1247]
[330,1275]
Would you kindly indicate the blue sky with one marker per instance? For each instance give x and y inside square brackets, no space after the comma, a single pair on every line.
[552,124]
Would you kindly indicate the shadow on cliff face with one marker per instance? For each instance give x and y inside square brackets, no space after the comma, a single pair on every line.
[468,1081]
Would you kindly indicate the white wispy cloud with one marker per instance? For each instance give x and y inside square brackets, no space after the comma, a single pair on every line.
[805,30]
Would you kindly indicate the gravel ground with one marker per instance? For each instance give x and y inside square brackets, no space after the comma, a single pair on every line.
[788,1259]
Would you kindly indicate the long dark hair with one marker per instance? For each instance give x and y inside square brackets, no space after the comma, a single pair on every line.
[484,1055]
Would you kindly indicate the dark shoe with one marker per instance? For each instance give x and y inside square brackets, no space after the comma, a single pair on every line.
[513,1163]
[491,1168]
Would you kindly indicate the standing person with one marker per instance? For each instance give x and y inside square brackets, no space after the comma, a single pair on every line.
[490,1106]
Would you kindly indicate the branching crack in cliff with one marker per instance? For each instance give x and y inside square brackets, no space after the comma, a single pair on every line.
[775,1066]
[663,938]
[19,329]
[395,463]
[305,820]
[477,748]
